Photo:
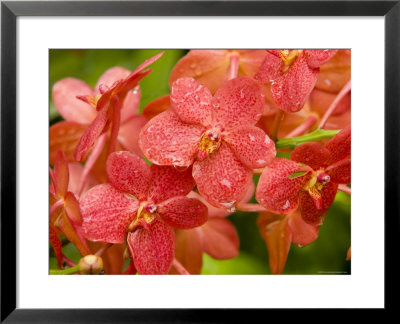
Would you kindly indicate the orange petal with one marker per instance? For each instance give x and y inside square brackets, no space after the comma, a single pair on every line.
[157,106]
[189,250]
[61,175]
[302,233]
[129,131]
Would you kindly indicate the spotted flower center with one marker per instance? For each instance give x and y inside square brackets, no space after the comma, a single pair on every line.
[288,57]
[145,216]
[210,141]
[314,187]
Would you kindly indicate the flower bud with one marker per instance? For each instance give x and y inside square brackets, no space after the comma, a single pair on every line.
[91,264]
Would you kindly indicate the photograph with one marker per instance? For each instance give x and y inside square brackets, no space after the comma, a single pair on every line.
[231,161]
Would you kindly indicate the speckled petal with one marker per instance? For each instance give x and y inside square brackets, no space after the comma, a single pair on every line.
[191,101]
[220,239]
[251,145]
[238,102]
[291,90]
[302,233]
[166,140]
[270,69]
[189,250]
[107,213]
[276,191]
[312,154]
[129,131]
[307,208]
[128,172]
[57,245]
[182,212]
[71,108]
[152,250]
[222,179]
[340,172]
[168,182]
[315,58]
[340,145]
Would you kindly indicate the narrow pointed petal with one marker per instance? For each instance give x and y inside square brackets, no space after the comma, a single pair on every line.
[75,175]
[340,172]
[182,212]
[278,238]
[166,140]
[107,213]
[209,67]
[276,191]
[191,101]
[251,145]
[291,90]
[220,239]
[309,212]
[72,209]
[91,134]
[302,233]
[109,77]
[61,175]
[64,136]
[129,132]
[340,145]
[71,108]
[57,246]
[312,154]
[168,182]
[128,172]
[315,58]
[270,69]
[156,107]
[238,102]
[222,179]
[152,250]
[189,250]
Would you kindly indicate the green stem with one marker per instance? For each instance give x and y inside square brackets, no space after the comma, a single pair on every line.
[316,135]
[67,271]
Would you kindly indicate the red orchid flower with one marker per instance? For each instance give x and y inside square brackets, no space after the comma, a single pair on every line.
[281,191]
[217,237]
[108,106]
[292,74]
[213,68]
[110,211]
[65,216]
[78,114]
[217,134]
[279,231]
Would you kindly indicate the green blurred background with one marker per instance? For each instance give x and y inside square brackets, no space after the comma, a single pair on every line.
[326,255]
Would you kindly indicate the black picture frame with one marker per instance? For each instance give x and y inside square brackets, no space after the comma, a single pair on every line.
[10,10]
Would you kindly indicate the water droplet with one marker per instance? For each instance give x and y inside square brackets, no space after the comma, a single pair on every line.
[328,82]
[231,210]
[300,246]
[228,204]
[286,205]
[193,65]
[252,138]
[226,183]
[197,71]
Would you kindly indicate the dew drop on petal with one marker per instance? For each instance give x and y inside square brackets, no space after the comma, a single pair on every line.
[300,246]
[286,205]
[226,183]
[228,204]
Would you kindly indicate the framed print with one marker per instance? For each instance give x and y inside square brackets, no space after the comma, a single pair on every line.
[201,138]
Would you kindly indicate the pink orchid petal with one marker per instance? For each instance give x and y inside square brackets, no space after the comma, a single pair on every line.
[238,102]
[109,77]
[251,145]
[302,233]
[189,250]
[61,174]
[183,212]
[340,145]
[340,172]
[166,140]
[191,101]
[128,172]
[222,179]
[71,108]
[72,209]
[130,106]
[220,239]
[57,246]
[75,174]
[129,132]
[315,58]
[91,134]
[157,106]
[250,61]
[276,191]
[270,69]
[152,250]
[64,136]
[168,182]
[291,90]
[307,208]
[312,154]
[107,213]
[209,67]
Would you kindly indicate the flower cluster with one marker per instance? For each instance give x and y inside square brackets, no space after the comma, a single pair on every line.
[150,192]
